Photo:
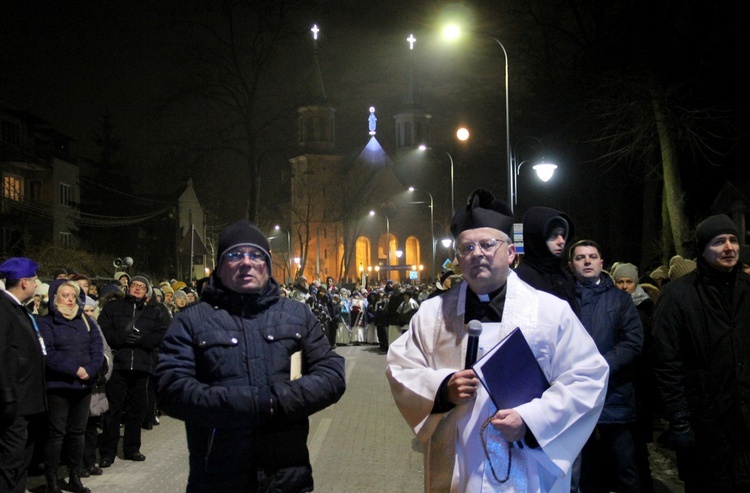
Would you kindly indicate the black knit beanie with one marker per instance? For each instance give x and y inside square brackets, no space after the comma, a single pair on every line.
[714,226]
[243,233]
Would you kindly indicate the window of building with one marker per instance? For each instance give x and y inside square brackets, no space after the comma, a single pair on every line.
[11,133]
[65,239]
[66,194]
[13,187]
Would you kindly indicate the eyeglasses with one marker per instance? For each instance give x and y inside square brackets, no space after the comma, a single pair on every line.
[138,286]
[238,255]
[486,246]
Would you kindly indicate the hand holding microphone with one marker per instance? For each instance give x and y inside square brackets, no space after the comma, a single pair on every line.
[472,348]
[463,384]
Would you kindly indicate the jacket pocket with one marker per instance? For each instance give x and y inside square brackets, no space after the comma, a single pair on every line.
[218,355]
[284,340]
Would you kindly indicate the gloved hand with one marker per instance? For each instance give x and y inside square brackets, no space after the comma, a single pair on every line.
[132,339]
[680,433]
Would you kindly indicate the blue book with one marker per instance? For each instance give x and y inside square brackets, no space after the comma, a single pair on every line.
[510,372]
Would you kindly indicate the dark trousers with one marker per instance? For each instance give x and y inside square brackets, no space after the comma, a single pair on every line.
[90,442]
[127,391]
[17,439]
[68,413]
[608,460]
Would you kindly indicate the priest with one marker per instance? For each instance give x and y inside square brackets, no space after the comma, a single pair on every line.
[470,445]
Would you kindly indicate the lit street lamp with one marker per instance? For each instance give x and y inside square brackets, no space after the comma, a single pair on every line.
[544,171]
[288,247]
[432,231]
[452,32]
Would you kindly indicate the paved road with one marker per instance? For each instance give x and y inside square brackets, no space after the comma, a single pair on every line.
[360,444]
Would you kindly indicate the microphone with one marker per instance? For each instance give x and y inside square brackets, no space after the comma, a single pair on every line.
[472,348]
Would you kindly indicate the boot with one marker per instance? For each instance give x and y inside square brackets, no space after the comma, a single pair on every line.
[74,482]
[53,484]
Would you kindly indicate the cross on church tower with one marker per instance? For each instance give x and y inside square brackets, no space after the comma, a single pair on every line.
[315,30]
[411,39]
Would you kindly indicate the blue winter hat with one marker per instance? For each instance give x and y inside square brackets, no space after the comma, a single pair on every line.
[16,268]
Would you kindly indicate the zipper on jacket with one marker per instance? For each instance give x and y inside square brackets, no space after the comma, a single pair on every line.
[210,445]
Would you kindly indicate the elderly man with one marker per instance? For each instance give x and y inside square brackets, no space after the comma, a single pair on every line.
[702,334]
[133,328]
[529,447]
[230,368]
[23,398]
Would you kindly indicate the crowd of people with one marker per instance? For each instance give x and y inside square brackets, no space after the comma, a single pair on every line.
[624,352]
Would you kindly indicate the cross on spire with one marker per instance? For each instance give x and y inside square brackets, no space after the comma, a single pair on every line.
[411,39]
[315,30]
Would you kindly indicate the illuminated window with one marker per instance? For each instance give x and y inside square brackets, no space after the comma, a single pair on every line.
[13,187]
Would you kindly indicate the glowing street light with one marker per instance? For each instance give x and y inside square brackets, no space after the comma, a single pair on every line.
[453,32]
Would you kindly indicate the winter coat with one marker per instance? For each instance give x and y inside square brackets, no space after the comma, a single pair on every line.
[539,267]
[71,344]
[117,319]
[224,368]
[610,317]
[22,388]
[702,363]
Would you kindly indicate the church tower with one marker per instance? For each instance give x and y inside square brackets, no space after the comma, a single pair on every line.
[412,128]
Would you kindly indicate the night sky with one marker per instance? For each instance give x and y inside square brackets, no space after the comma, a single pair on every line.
[70,62]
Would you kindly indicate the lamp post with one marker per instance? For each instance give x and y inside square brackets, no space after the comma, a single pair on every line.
[432,230]
[544,171]
[452,32]
[288,247]
[462,134]
[387,242]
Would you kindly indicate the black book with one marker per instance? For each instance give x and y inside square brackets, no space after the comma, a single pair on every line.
[510,372]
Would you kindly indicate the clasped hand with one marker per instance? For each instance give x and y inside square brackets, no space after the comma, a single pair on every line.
[462,387]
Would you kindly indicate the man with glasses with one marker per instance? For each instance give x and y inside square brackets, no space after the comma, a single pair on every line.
[244,368]
[471,445]
[133,328]
[23,397]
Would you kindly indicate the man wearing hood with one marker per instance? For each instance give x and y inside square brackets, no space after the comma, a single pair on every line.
[545,233]
[133,328]
[229,367]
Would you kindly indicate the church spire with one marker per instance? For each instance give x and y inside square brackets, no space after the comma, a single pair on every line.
[412,120]
[317,90]
[316,121]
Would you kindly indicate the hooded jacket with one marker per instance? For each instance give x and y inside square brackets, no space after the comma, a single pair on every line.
[539,267]
[71,344]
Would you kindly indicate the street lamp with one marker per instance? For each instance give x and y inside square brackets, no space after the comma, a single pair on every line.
[543,170]
[288,247]
[452,32]
[387,242]
[432,231]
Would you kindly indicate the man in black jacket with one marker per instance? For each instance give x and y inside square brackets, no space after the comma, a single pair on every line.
[244,368]
[133,329]
[23,398]
[702,362]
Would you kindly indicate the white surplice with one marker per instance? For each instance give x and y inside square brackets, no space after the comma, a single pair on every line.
[561,420]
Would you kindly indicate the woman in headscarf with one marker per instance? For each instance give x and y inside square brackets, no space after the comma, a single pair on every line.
[74,357]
